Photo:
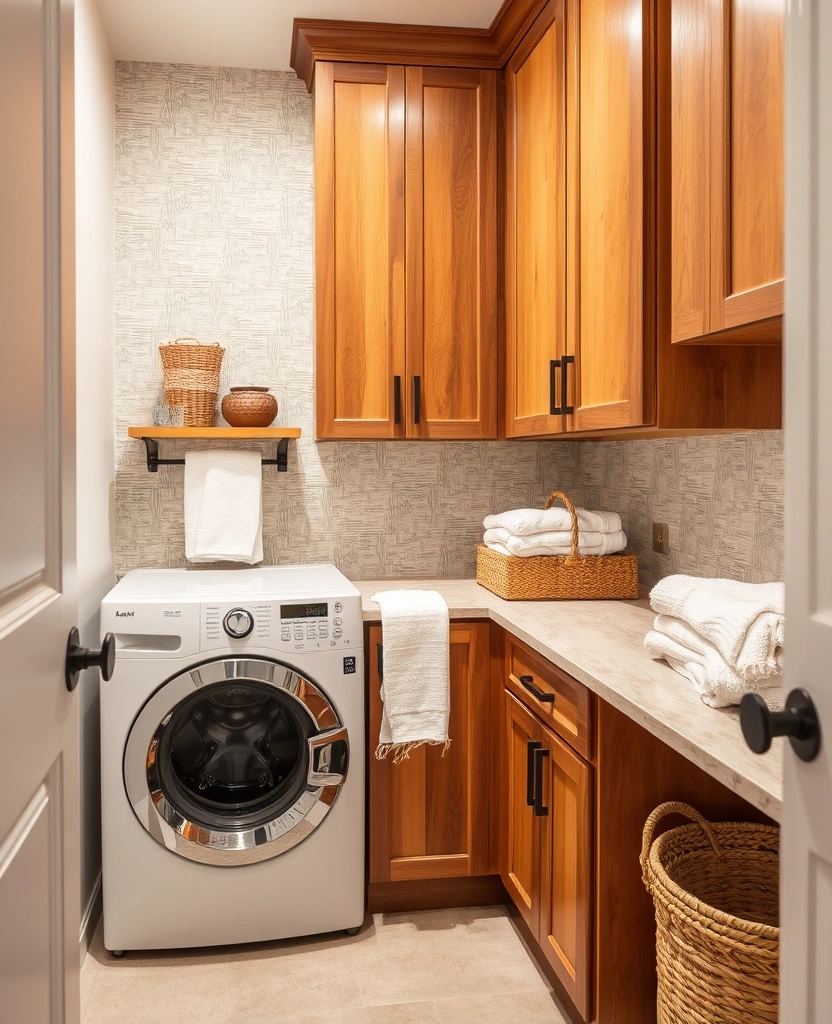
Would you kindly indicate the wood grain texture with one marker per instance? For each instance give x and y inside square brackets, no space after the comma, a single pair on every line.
[451,202]
[435,894]
[536,224]
[359,178]
[566,925]
[520,866]
[430,812]
[229,433]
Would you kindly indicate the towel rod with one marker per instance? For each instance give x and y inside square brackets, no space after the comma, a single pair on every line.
[153,461]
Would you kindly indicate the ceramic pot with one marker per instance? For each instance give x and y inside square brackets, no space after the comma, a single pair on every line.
[249,406]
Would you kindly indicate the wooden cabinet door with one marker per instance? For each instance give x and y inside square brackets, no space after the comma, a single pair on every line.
[614,329]
[536,227]
[451,198]
[565,924]
[359,238]
[725,125]
[429,814]
[520,856]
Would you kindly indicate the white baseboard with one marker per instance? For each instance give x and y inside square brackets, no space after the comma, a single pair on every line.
[90,918]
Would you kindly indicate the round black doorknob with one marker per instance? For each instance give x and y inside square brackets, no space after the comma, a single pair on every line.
[798,720]
[78,658]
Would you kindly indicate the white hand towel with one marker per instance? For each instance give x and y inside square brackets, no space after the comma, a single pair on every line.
[717,683]
[416,688]
[555,543]
[223,507]
[523,521]
[744,621]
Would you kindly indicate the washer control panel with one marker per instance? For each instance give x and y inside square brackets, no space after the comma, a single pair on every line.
[315,625]
[238,623]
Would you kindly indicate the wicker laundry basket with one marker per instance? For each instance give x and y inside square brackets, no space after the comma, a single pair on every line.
[192,378]
[716,889]
[548,577]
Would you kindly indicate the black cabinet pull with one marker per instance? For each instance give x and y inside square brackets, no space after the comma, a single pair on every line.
[798,720]
[380,660]
[417,398]
[531,747]
[539,754]
[566,409]
[397,399]
[527,682]
[554,366]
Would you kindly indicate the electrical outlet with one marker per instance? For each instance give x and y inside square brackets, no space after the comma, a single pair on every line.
[661,538]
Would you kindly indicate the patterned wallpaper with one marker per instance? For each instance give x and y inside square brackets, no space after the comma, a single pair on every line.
[214,238]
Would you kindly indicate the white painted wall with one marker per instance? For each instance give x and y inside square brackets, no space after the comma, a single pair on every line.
[95,301]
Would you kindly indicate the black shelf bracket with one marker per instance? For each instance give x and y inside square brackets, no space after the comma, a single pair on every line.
[153,461]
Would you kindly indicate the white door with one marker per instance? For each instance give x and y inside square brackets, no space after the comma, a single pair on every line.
[806,864]
[39,821]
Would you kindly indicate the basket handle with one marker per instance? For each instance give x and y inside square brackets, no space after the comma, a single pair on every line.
[570,508]
[189,337]
[672,807]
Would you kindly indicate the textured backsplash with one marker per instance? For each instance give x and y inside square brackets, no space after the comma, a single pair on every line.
[214,237]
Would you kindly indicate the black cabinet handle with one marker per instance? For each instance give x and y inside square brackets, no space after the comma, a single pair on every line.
[380,660]
[539,754]
[798,720]
[397,399]
[566,409]
[554,366]
[531,747]
[79,658]
[527,682]
[417,398]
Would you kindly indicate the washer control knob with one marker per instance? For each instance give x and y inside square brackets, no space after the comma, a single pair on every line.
[238,623]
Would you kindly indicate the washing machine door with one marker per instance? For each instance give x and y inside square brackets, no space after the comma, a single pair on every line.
[235,761]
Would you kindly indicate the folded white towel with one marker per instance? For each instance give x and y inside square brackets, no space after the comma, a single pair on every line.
[223,507]
[744,621]
[416,688]
[718,684]
[524,521]
[557,542]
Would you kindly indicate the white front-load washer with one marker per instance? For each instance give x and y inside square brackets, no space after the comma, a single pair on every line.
[232,757]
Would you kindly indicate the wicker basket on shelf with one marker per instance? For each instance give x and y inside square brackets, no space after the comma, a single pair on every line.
[716,889]
[549,577]
[192,378]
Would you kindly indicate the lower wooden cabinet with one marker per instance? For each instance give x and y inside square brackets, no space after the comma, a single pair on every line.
[430,813]
[547,858]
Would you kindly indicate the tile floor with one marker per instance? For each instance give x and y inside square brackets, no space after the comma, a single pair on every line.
[435,967]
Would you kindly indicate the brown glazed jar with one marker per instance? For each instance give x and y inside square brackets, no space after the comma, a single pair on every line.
[249,406]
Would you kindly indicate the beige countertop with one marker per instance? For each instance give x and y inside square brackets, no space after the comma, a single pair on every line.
[601,643]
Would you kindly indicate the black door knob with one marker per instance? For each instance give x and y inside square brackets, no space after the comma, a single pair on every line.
[78,658]
[798,720]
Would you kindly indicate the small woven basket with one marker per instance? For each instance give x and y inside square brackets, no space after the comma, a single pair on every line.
[549,577]
[192,378]
[716,890]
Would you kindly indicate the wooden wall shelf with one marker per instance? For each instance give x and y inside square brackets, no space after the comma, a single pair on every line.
[152,435]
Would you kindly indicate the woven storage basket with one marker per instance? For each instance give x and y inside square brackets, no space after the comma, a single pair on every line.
[715,888]
[547,577]
[192,378]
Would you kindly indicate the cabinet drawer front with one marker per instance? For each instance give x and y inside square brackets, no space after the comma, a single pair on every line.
[569,713]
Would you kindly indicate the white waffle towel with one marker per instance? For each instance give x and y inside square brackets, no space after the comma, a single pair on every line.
[524,521]
[743,621]
[223,507]
[415,688]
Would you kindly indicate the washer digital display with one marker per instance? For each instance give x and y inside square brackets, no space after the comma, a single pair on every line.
[304,611]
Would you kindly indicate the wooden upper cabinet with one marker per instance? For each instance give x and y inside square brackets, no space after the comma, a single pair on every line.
[536,227]
[451,238]
[359,215]
[726,164]
[612,334]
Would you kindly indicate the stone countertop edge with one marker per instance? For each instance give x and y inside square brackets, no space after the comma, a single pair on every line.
[601,644]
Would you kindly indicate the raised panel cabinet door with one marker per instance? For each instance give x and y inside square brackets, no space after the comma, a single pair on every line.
[536,228]
[614,328]
[451,199]
[359,250]
[520,854]
[429,813]
[565,929]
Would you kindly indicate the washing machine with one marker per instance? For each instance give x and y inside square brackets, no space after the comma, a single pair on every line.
[232,757]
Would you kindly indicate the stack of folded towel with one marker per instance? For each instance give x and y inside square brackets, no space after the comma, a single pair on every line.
[725,637]
[534,531]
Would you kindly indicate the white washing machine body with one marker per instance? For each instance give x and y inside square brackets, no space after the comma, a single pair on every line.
[232,757]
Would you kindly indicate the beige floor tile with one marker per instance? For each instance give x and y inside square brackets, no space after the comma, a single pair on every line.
[399,1013]
[136,994]
[508,1008]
